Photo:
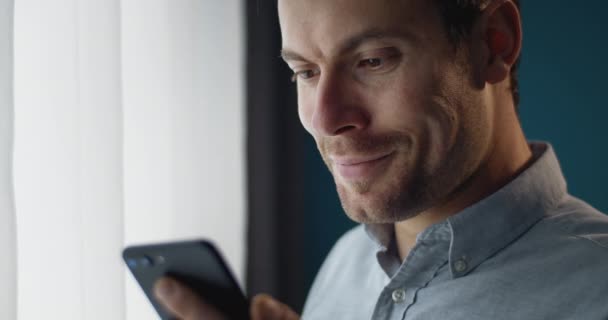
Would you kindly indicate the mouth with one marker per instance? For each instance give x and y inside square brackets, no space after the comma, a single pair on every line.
[359,168]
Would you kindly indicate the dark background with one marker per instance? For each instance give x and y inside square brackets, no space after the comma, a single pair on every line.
[295,215]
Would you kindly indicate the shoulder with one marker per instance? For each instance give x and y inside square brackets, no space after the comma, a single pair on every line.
[351,258]
[571,240]
[572,255]
[354,245]
[354,236]
[576,221]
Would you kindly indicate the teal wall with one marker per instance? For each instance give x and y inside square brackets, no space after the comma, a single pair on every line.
[562,91]
[563,88]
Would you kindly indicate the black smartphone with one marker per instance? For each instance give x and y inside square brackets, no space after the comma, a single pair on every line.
[197,264]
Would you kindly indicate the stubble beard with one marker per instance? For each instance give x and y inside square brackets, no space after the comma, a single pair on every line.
[397,194]
[413,185]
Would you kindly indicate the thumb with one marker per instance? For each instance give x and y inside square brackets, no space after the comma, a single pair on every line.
[264,307]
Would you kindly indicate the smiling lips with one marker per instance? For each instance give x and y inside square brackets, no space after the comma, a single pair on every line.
[360,168]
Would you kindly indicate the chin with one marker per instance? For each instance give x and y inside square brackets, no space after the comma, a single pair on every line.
[373,207]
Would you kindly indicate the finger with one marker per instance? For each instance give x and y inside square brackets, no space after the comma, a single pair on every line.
[182,301]
[264,307]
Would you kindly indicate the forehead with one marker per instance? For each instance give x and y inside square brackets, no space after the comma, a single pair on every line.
[317,26]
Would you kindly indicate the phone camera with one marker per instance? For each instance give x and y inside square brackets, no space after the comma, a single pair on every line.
[145,261]
[132,263]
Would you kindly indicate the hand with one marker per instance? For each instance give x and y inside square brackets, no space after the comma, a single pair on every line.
[264,307]
[186,305]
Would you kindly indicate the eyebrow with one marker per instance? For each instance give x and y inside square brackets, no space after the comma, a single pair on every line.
[354,42]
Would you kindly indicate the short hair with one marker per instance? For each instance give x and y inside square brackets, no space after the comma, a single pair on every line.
[458,19]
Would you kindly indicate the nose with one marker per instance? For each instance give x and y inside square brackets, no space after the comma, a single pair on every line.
[339,108]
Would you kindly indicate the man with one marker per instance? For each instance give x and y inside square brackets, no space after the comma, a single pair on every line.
[412,104]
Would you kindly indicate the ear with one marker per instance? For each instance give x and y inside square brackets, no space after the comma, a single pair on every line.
[500,37]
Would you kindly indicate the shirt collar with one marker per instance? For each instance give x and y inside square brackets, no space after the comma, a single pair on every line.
[489,225]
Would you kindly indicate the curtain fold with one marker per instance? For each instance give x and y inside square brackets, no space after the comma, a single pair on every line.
[8,263]
[184,131]
[128,128]
[68,159]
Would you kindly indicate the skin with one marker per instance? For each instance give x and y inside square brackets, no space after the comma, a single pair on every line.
[185,304]
[412,128]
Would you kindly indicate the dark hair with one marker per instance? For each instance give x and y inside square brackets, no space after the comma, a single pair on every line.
[459,17]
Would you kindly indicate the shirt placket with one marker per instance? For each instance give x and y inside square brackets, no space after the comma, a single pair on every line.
[421,266]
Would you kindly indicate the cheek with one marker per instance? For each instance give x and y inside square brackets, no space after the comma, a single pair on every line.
[440,139]
[426,115]
[440,130]
[404,108]
[402,100]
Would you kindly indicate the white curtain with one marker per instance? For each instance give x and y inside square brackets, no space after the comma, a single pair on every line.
[8,284]
[128,128]
[184,139]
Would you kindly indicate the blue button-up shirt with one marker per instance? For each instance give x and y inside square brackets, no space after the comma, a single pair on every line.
[528,251]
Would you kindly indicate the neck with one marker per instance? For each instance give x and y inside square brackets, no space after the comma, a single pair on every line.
[508,157]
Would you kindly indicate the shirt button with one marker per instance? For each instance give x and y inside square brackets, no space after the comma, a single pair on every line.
[460,265]
[398,295]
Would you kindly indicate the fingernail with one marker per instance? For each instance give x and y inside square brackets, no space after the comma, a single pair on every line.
[164,289]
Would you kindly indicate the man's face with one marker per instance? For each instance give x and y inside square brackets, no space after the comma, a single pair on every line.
[389,101]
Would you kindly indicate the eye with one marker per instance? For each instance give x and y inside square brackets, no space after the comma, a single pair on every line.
[304,74]
[378,61]
[372,63]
